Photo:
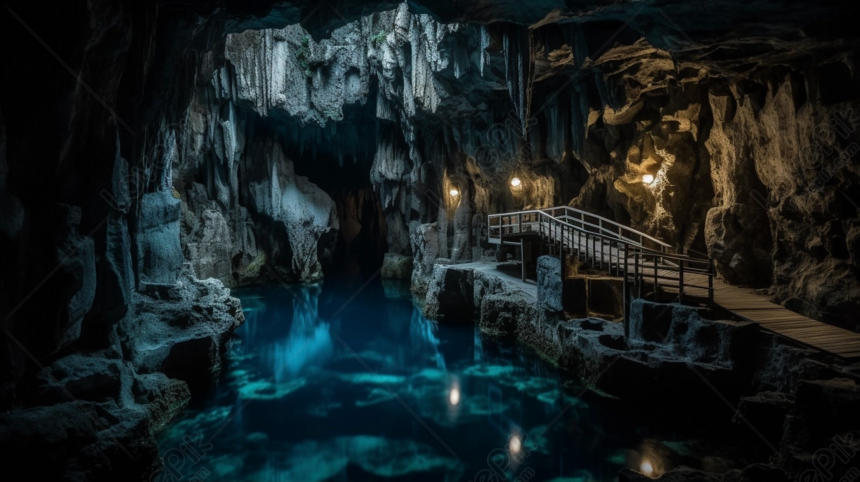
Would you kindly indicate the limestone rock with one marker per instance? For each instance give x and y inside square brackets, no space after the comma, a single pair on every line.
[75,255]
[179,330]
[549,282]
[692,335]
[450,294]
[396,266]
[424,239]
[211,255]
[158,250]
[164,398]
[94,379]
[306,211]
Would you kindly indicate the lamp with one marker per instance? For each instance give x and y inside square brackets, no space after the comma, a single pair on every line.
[646,467]
[454,396]
[648,179]
[454,193]
[515,182]
[515,444]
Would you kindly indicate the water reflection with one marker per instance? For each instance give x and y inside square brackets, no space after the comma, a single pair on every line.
[424,402]
[309,341]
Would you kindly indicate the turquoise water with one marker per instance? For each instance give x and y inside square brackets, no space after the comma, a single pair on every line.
[323,384]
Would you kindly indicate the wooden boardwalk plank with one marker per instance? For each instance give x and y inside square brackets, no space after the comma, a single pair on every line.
[784,322]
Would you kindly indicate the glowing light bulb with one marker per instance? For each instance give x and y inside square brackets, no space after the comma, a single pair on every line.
[454,193]
[646,467]
[516,444]
[647,178]
[454,396]
[515,182]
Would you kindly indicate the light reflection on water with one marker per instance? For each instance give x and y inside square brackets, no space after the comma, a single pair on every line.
[438,402]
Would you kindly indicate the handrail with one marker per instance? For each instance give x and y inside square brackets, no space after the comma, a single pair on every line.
[610,235]
[583,237]
[601,221]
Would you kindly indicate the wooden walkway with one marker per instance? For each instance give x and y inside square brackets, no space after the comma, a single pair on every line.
[784,322]
[739,301]
[773,317]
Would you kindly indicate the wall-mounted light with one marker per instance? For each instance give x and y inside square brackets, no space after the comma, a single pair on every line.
[454,396]
[515,182]
[454,193]
[515,444]
[646,468]
[648,179]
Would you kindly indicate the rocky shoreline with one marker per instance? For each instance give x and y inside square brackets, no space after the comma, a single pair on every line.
[675,358]
[95,415]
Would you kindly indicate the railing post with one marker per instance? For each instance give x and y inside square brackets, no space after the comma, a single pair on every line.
[587,261]
[561,249]
[656,285]
[594,252]
[625,263]
[625,295]
[713,272]
[609,248]
[602,249]
[610,258]
[600,263]
[523,259]
[638,283]
[681,281]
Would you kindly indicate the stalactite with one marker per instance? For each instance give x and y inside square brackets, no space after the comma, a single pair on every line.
[518,70]
[485,42]
[578,118]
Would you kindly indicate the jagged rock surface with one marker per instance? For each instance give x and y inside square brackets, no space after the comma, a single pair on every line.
[743,111]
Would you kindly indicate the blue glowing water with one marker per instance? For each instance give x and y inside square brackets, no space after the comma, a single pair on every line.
[321,385]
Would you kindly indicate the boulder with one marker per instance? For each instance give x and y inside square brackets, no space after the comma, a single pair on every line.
[180,329]
[500,314]
[691,335]
[450,294]
[396,266]
[549,284]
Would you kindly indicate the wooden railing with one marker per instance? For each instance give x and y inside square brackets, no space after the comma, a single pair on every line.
[623,252]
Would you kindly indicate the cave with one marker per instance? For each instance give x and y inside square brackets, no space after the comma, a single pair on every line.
[291,240]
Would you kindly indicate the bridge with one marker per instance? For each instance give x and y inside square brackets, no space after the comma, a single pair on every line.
[646,265]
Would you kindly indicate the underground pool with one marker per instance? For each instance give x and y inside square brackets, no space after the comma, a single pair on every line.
[339,381]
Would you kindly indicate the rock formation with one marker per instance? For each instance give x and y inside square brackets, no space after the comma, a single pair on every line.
[180,148]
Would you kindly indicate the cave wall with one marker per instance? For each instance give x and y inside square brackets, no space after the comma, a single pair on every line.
[177,148]
[468,107]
